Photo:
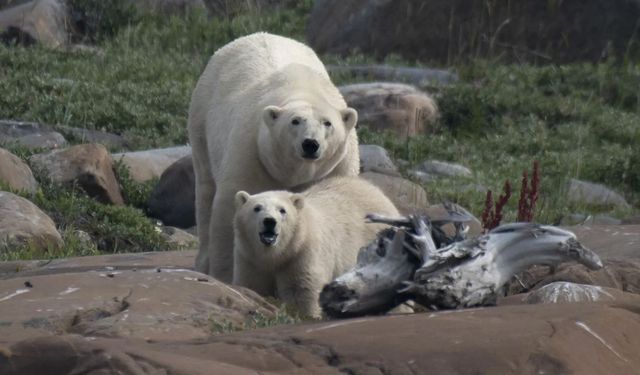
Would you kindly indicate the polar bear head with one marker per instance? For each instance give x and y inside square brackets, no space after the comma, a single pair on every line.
[267,221]
[304,139]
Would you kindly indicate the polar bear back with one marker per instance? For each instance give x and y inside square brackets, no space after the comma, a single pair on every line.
[247,71]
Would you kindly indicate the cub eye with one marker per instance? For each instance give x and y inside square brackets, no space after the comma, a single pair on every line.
[257,208]
[295,121]
[283,211]
[327,124]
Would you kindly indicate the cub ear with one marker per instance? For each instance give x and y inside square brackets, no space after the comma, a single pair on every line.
[349,118]
[270,114]
[241,198]
[298,201]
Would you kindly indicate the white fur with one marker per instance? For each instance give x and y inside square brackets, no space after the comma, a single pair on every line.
[319,237]
[242,137]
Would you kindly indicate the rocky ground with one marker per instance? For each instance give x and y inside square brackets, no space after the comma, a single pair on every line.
[149,313]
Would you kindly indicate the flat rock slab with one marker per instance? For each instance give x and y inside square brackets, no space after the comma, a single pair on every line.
[610,241]
[148,304]
[151,260]
[588,338]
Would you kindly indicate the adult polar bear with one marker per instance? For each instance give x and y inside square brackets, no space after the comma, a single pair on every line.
[263,116]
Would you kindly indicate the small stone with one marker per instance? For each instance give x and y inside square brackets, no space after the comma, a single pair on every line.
[374,158]
[596,194]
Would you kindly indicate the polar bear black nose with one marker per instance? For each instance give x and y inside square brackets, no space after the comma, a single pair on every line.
[310,147]
[269,223]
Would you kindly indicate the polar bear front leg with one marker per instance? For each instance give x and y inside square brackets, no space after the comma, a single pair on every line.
[246,274]
[221,236]
[205,189]
[300,287]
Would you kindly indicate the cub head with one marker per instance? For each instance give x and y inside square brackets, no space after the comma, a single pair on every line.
[268,220]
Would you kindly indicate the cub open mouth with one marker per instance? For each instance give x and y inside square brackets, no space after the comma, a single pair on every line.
[268,237]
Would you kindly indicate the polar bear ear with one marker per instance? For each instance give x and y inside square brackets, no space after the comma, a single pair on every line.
[241,198]
[270,114]
[349,118]
[298,201]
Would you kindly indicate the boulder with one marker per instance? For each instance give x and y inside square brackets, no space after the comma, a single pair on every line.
[374,158]
[81,135]
[437,211]
[447,31]
[150,304]
[173,198]
[30,135]
[595,194]
[590,338]
[422,77]
[15,173]
[430,170]
[149,164]
[179,239]
[401,109]
[408,197]
[89,165]
[43,21]
[22,223]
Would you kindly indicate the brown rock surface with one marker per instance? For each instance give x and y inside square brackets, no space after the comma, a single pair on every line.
[406,195]
[88,165]
[120,262]
[23,223]
[151,304]
[401,109]
[594,338]
[16,173]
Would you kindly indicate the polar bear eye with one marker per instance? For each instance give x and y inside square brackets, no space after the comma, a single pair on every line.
[327,124]
[283,211]
[257,208]
[295,121]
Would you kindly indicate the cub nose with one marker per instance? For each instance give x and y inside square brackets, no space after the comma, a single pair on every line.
[269,223]
[310,146]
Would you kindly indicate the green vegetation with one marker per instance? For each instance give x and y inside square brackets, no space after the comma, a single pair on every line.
[255,321]
[580,121]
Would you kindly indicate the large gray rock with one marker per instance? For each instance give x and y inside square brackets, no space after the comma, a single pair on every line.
[402,109]
[22,223]
[416,76]
[30,135]
[447,31]
[149,164]
[16,173]
[596,194]
[44,21]
[407,196]
[81,135]
[90,166]
[173,199]
[430,170]
[374,158]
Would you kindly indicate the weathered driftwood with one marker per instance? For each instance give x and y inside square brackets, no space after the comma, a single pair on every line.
[415,260]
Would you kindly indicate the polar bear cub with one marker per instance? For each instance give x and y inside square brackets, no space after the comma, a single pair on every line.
[290,245]
[263,116]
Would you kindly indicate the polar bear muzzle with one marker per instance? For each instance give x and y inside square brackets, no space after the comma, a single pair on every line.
[268,235]
[310,149]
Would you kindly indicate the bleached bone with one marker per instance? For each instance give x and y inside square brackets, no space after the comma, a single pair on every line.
[462,274]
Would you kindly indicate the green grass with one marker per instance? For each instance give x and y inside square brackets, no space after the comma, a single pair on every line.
[580,121]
